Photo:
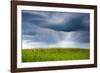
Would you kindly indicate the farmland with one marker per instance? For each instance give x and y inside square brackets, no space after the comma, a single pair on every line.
[54,54]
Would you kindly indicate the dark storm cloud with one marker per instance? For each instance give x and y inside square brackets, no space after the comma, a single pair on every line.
[53,27]
[62,21]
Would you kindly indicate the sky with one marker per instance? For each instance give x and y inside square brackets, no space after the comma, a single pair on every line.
[43,29]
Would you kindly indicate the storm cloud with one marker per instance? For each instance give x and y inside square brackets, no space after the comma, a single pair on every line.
[55,29]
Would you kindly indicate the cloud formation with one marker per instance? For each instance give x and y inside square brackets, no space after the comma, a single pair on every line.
[55,29]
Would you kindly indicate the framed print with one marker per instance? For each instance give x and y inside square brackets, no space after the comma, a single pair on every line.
[52,36]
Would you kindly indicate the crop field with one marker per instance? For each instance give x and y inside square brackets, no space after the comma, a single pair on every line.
[54,54]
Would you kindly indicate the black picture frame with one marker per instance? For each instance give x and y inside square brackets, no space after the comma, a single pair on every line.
[46,4]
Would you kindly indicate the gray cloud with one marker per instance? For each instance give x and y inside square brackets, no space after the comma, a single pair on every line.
[54,27]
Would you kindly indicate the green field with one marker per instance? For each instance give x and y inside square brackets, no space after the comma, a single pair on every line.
[54,54]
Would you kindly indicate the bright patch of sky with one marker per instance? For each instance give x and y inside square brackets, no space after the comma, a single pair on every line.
[43,29]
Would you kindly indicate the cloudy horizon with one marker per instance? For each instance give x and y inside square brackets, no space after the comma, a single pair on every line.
[43,29]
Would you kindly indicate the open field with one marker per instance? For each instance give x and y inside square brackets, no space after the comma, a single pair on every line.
[54,54]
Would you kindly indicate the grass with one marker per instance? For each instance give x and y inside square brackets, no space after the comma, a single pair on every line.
[54,54]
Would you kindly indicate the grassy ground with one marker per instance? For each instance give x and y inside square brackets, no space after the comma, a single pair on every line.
[54,54]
